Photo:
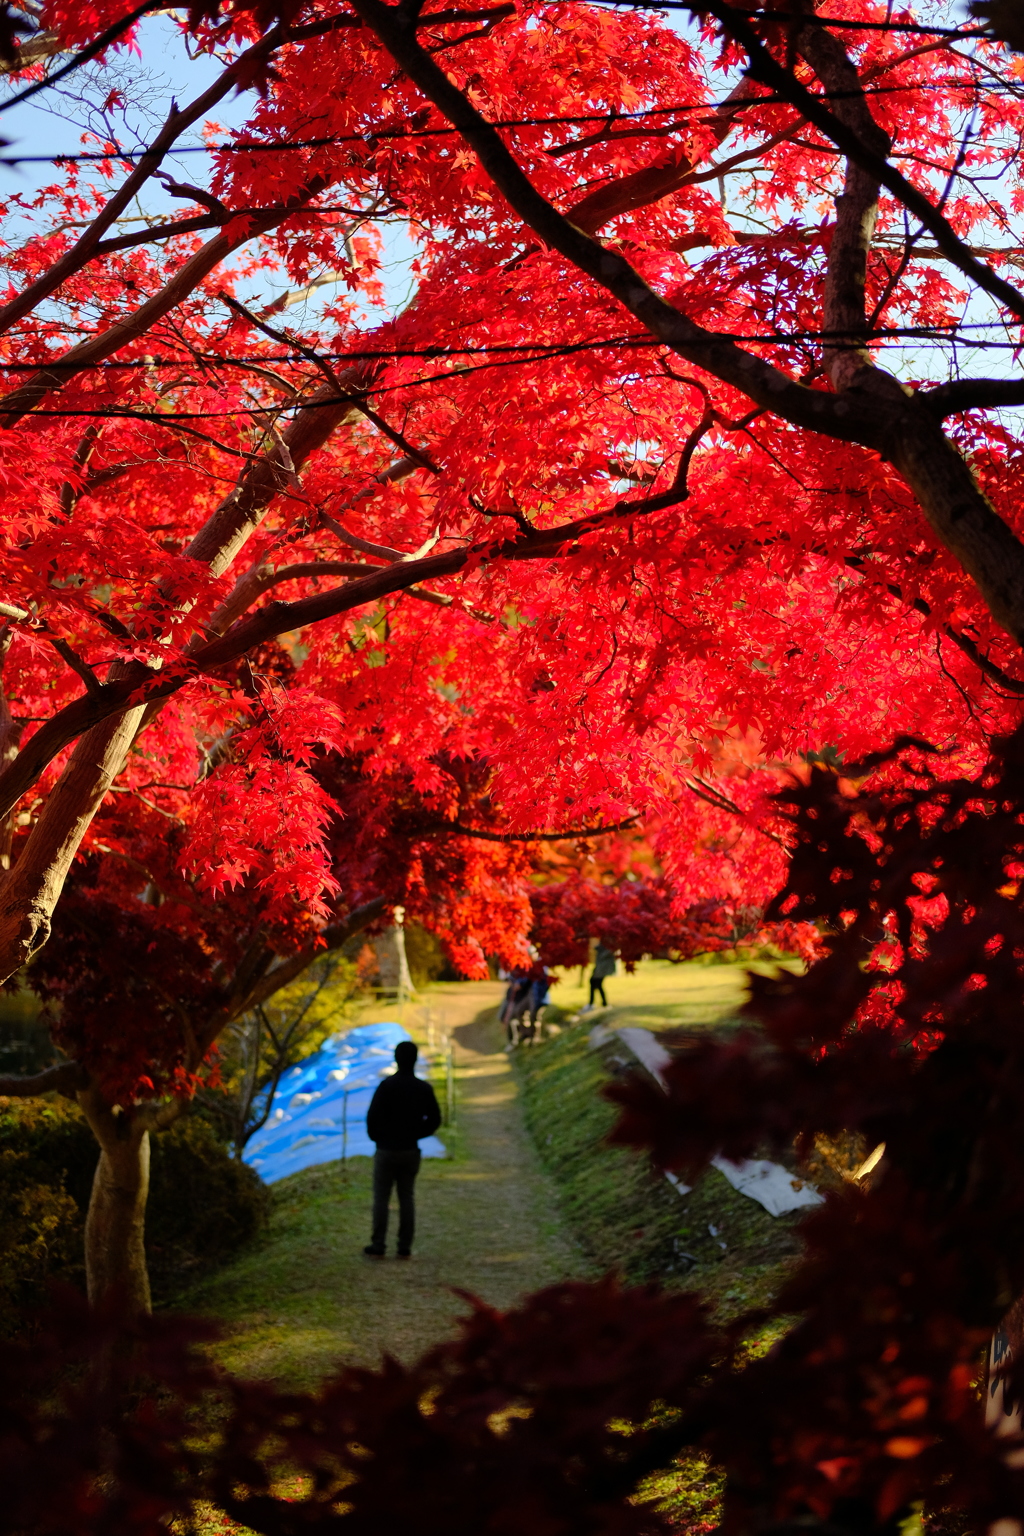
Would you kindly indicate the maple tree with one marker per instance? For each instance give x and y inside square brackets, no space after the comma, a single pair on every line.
[141,990]
[191,455]
[698,885]
[517,533]
[906,1028]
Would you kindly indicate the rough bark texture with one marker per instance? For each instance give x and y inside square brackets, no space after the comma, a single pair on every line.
[10,740]
[856,213]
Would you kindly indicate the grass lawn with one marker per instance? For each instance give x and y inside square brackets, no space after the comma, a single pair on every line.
[306,1298]
[625,1214]
[531,1194]
[660,995]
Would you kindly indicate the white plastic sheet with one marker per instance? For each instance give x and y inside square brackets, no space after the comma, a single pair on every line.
[768,1183]
[319,1109]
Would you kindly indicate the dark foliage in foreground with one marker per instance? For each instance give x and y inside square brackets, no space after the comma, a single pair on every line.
[909,1031]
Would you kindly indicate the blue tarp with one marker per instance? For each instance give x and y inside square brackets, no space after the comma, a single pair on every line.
[320,1106]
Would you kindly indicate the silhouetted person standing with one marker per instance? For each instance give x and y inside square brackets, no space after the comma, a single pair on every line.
[401,1111]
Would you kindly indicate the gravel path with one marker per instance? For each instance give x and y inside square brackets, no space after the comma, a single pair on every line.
[487,1223]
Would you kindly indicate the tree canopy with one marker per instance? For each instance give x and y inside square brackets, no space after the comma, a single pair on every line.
[677,464]
[619,483]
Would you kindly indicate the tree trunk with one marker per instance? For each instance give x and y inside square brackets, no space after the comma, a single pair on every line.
[29,892]
[115,1250]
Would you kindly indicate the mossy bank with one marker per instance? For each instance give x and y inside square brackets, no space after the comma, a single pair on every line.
[624,1213]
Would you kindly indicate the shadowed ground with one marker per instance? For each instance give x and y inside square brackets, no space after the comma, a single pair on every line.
[487,1223]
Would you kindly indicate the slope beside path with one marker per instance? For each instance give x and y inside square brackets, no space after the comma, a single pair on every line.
[487,1222]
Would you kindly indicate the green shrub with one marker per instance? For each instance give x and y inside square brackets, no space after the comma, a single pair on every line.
[427,959]
[40,1236]
[203,1205]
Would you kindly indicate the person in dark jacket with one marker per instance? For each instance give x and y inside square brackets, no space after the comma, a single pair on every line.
[402,1110]
[604,965]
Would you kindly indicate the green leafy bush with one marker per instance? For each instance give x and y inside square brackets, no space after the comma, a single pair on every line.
[203,1204]
[40,1235]
[427,959]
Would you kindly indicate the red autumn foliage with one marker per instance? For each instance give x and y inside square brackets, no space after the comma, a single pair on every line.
[588,570]
[642,916]
[198,471]
[869,1399]
[146,965]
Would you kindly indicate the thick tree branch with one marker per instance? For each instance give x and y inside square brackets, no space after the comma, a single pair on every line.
[984,663]
[883,418]
[653,182]
[76,663]
[66,1078]
[240,513]
[856,211]
[17,403]
[30,890]
[139,687]
[768,71]
[162,232]
[971,395]
[487,836]
[763,382]
[10,741]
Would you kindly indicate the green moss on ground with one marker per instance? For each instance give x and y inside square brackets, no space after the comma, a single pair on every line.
[624,1214]
[627,1216]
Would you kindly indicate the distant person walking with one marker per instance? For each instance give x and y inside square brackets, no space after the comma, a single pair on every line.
[402,1110]
[516,1004]
[604,965]
[540,996]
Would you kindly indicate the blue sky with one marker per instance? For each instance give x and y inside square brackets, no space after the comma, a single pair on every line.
[56,120]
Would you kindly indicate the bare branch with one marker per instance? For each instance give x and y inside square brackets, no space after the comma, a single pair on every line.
[782,81]
[86,247]
[561,835]
[972,395]
[66,1078]
[262,983]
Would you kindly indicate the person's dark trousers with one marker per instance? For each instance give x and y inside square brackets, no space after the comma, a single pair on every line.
[398,1169]
[596,986]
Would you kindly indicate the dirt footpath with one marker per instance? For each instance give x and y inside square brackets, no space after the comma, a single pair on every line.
[486,1223]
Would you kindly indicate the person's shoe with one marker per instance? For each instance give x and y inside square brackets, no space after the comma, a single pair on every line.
[403,1253]
[372,1252]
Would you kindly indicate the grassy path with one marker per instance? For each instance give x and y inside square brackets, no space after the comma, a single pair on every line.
[487,1222]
